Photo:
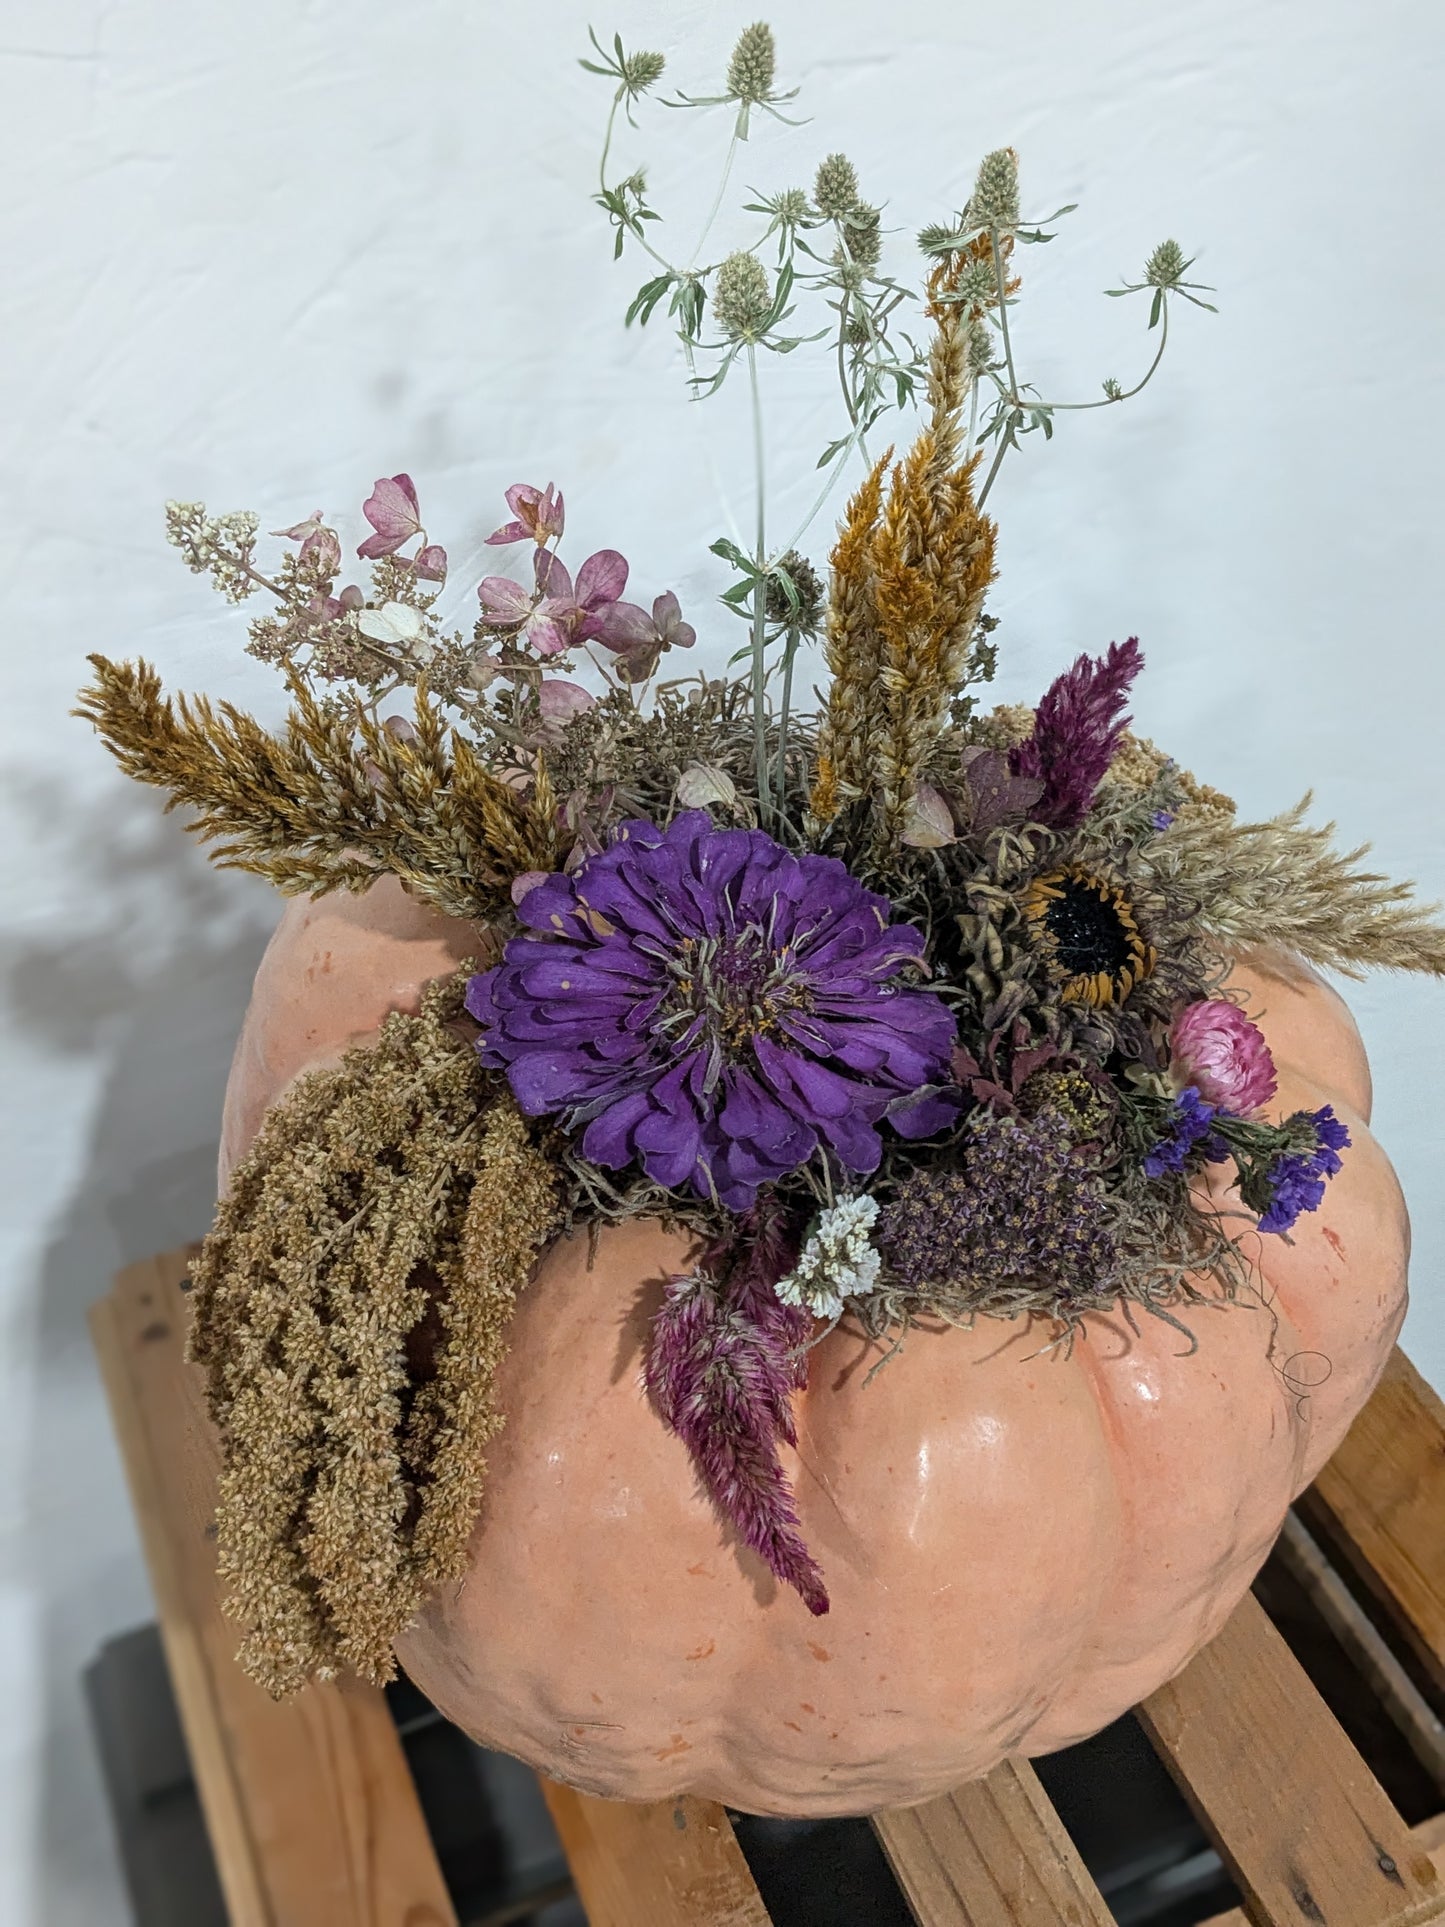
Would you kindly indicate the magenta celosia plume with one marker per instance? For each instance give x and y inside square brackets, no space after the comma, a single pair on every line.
[1077,728]
[1215,1047]
[724,1361]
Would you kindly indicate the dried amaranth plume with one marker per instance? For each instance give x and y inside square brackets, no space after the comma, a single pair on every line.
[392,1199]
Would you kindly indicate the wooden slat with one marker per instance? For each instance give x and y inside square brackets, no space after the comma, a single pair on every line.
[1302,1824]
[991,1852]
[310,1805]
[1380,1503]
[1429,1837]
[673,1864]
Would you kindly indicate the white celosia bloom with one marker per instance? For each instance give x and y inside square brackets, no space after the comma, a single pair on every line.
[838,1260]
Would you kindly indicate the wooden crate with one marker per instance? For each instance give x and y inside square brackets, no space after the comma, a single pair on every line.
[315,1821]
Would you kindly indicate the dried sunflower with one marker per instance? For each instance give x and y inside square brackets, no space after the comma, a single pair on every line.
[1086,924]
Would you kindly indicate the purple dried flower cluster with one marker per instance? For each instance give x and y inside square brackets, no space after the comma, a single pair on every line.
[1296,1179]
[1021,1204]
[1191,1132]
[722,1367]
[1077,730]
[710,1005]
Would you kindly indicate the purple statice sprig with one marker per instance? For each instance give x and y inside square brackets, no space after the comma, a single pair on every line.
[725,1357]
[1293,1182]
[1282,1169]
[1191,1134]
[1078,726]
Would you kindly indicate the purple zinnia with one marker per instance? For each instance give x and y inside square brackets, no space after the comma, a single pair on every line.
[1191,1128]
[1077,730]
[1296,1179]
[716,1007]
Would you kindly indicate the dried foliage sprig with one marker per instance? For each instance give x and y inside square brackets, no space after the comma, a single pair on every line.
[392,1201]
[335,802]
[1282,883]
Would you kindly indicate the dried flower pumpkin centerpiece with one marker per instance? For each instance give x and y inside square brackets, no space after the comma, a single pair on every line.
[718,1055]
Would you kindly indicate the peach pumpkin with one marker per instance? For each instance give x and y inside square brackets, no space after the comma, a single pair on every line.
[1018,1546]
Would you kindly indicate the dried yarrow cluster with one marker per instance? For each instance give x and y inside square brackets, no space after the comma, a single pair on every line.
[350,1307]
[910,1013]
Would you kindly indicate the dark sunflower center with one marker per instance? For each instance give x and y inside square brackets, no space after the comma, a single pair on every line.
[1088,932]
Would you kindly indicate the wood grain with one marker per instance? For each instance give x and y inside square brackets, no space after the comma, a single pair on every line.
[310,1806]
[1300,1821]
[1380,1504]
[675,1863]
[1429,1836]
[989,1853]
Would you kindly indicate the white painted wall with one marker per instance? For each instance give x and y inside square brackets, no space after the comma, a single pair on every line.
[263,255]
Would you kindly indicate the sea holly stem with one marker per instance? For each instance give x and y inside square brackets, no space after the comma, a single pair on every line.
[1001,282]
[760,608]
[716,208]
[790,652]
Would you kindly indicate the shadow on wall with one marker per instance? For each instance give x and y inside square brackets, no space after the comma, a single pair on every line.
[144,970]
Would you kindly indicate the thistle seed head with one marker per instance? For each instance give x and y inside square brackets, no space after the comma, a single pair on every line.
[835,189]
[807,587]
[753,65]
[862,230]
[792,206]
[741,297]
[641,71]
[977,287]
[1166,266]
[995,201]
[981,349]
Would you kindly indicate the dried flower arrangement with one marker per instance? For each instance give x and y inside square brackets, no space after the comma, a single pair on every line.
[908,1010]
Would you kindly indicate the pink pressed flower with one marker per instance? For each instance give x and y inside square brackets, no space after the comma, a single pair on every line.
[322,546]
[431,563]
[331,606]
[639,638]
[299,531]
[560,701]
[1216,1048]
[393,511]
[540,516]
[504,600]
[559,615]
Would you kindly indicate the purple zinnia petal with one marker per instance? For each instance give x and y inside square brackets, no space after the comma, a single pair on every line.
[713,1006]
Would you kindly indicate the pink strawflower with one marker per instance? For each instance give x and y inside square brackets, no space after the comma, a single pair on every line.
[394,513]
[540,516]
[1216,1048]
